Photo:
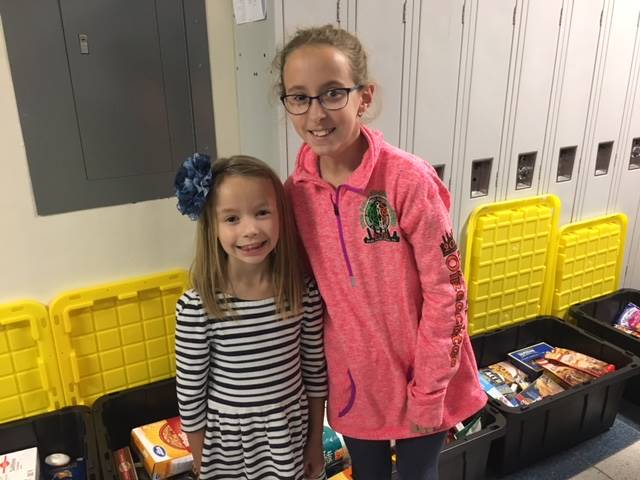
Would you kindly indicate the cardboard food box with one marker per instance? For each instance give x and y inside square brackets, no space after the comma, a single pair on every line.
[164,448]
[20,465]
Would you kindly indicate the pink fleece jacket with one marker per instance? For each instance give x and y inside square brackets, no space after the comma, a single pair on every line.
[387,266]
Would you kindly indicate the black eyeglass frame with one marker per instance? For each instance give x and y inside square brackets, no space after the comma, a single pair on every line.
[310,98]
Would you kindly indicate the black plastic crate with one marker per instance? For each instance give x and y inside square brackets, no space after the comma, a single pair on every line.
[598,315]
[118,413]
[466,459]
[559,422]
[69,430]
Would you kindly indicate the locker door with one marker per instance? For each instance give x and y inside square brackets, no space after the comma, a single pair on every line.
[382,33]
[538,34]
[491,35]
[566,126]
[603,148]
[625,193]
[632,276]
[434,88]
[305,13]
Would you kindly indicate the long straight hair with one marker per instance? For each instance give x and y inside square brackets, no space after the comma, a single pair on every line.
[209,271]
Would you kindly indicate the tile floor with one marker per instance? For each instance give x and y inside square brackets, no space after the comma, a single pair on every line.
[614,455]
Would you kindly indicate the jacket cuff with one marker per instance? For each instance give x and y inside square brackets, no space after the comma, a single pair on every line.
[425,409]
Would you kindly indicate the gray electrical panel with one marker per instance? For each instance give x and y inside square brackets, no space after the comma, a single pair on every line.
[112,96]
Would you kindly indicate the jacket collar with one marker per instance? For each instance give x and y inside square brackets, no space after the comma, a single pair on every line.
[307,169]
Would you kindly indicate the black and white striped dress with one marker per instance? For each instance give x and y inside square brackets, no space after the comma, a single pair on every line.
[245,381]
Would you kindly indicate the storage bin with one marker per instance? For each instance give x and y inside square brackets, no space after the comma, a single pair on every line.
[466,459]
[598,315]
[69,430]
[116,414]
[555,423]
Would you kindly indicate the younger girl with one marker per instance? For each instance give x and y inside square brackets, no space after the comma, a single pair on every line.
[375,223]
[250,367]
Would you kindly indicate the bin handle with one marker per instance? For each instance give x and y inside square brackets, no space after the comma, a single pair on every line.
[75,373]
[44,378]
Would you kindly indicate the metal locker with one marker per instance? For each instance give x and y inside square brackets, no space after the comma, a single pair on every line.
[564,144]
[434,88]
[383,36]
[625,191]
[529,93]
[606,112]
[632,271]
[491,27]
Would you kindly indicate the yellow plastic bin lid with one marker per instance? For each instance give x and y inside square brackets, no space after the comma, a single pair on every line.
[508,261]
[588,260]
[116,336]
[28,366]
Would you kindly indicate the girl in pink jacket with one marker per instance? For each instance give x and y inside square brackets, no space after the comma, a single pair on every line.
[374,221]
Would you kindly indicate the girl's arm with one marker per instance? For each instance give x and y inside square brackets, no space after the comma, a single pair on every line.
[196,440]
[314,376]
[192,370]
[423,215]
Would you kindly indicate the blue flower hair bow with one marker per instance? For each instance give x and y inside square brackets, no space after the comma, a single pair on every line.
[193,182]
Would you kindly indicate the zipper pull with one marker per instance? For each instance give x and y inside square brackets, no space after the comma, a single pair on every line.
[335,210]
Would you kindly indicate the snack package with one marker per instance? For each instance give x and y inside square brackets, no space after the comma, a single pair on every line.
[626,330]
[495,386]
[525,358]
[580,361]
[124,464]
[566,376]
[514,377]
[630,317]
[544,386]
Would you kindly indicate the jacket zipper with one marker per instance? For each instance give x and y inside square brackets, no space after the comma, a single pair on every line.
[343,245]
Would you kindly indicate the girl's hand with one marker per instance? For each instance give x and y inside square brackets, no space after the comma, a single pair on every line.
[420,429]
[313,459]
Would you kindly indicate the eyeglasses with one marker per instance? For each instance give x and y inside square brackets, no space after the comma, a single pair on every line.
[332,99]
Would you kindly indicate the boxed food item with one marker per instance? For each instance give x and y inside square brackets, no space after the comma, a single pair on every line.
[495,386]
[163,447]
[525,358]
[336,457]
[20,465]
[544,386]
[346,474]
[514,377]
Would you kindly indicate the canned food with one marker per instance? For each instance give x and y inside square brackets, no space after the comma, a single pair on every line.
[57,459]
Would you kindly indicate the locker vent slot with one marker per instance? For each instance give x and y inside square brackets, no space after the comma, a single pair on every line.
[566,159]
[634,158]
[480,177]
[526,167]
[603,158]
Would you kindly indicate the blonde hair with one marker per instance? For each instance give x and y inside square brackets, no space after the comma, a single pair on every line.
[329,35]
[209,271]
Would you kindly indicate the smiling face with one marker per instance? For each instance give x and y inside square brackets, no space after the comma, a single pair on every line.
[247,219]
[312,70]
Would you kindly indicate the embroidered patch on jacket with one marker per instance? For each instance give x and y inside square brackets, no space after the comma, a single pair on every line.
[452,261]
[377,217]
